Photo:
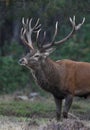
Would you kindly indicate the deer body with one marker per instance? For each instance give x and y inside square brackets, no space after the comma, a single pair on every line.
[64,79]
[66,76]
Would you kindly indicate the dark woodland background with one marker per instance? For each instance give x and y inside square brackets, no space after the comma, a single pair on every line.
[14,77]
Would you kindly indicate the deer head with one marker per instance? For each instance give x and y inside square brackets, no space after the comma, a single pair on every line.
[35,56]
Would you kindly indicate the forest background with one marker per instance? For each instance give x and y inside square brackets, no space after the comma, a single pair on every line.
[13,77]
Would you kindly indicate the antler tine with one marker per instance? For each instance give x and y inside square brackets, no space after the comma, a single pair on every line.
[38,32]
[22,35]
[79,25]
[43,40]
[55,33]
[44,36]
[26,32]
[29,25]
[40,46]
[23,21]
[74,28]
[37,26]
[29,33]
[52,42]
[23,30]
[37,23]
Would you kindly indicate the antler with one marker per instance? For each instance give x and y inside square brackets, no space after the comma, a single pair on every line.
[27,30]
[74,29]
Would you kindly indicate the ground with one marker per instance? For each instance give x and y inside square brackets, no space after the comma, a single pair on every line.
[36,114]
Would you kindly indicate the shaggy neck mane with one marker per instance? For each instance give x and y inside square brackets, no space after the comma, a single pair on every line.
[50,69]
[43,76]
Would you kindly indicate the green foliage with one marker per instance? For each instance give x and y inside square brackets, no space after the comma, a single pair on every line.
[12,76]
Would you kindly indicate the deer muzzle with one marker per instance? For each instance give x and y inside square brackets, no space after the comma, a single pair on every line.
[23,61]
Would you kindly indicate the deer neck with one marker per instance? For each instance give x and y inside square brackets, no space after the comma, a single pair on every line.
[50,70]
[44,73]
[41,79]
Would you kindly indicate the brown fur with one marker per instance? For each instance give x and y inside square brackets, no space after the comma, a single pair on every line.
[76,76]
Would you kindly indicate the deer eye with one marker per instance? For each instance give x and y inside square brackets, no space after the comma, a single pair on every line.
[37,56]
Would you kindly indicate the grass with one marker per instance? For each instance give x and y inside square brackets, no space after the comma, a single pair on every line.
[40,108]
[81,108]
[20,108]
[14,114]
[82,105]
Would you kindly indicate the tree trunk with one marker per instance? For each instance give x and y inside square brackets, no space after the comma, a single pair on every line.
[16,30]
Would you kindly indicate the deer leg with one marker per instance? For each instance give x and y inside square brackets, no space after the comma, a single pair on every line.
[68,102]
[58,103]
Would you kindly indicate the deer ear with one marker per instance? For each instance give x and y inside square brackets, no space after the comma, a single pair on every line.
[48,51]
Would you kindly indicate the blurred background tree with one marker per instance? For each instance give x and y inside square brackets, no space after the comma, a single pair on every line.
[14,77]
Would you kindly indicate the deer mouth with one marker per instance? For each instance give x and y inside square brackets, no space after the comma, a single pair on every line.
[23,62]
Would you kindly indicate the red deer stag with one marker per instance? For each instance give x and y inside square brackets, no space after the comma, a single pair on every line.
[64,79]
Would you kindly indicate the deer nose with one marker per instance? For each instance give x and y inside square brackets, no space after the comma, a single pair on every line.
[22,61]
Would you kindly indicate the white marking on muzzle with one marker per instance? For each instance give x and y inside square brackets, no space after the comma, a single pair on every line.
[23,61]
